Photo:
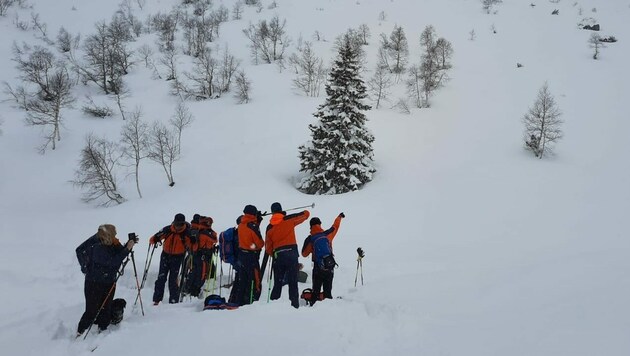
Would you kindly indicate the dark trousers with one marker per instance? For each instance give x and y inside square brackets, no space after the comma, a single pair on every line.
[202,269]
[95,294]
[248,282]
[321,279]
[169,266]
[285,265]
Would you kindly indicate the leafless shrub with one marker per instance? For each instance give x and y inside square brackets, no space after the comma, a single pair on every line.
[97,172]
[243,87]
[134,143]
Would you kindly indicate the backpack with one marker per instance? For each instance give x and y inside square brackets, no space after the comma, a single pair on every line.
[322,252]
[228,243]
[118,310]
[217,302]
[84,253]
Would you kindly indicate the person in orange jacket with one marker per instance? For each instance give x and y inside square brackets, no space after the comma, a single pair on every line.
[176,240]
[203,240]
[250,243]
[281,244]
[321,278]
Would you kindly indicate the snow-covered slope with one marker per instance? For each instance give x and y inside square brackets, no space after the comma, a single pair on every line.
[473,246]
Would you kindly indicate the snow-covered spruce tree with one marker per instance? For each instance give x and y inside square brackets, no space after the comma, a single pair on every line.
[542,124]
[339,157]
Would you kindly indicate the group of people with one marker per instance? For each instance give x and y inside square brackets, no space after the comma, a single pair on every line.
[198,240]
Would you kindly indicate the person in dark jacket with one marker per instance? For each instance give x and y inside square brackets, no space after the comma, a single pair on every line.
[203,240]
[250,243]
[176,240]
[105,258]
[321,278]
[281,244]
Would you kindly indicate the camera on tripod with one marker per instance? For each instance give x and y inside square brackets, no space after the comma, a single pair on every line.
[360,252]
[134,237]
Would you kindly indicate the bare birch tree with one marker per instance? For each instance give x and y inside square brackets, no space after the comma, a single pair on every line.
[542,124]
[134,143]
[309,69]
[46,111]
[379,84]
[97,172]
[163,149]
[181,120]
[596,44]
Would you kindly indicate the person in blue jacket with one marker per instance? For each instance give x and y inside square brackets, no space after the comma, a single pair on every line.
[104,258]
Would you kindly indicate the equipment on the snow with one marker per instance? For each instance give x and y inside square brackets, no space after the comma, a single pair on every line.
[147,264]
[217,302]
[322,252]
[135,273]
[302,276]
[308,293]
[118,310]
[84,253]
[228,242]
[359,265]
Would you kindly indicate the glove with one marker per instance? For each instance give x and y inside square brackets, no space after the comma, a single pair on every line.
[342,215]
[154,240]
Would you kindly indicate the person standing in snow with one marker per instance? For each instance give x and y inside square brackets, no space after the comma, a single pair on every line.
[281,244]
[321,277]
[203,240]
[106,254]
[250,243]
[176,240]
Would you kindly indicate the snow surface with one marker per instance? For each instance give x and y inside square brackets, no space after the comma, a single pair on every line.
[473,246]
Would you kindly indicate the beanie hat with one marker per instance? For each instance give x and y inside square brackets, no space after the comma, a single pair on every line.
[315,221]
[276,207]
[179,219]
[195,219]
[250,209]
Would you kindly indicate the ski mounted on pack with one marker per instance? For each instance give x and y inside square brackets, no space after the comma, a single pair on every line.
[296,208]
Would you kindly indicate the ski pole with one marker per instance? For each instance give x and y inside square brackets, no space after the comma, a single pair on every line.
[269,281]
[135,273]
[120,273]
[147,264]
[299,207]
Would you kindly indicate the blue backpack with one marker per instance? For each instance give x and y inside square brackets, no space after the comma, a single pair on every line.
[228,243]
[322,252]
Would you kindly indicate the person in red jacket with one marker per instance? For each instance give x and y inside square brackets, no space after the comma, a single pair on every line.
[321,278]
[176,240]
[250,243]
[203,240]
[281,244]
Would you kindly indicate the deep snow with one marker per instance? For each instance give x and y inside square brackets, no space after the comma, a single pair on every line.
[473,246]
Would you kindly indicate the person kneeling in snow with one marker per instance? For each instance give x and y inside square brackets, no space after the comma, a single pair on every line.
[100,256]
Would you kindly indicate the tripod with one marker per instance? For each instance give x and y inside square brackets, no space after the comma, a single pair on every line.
[359,265]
